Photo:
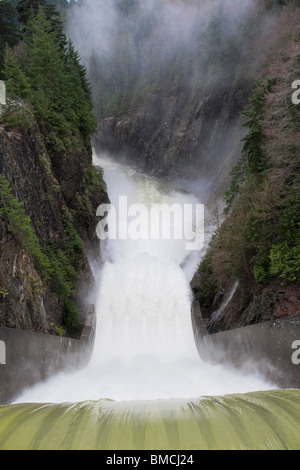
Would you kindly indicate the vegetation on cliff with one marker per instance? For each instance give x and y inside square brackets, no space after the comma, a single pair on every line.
[49,100]
[171,47]
[169,84]
[258,244]
[45,69]
[171,78]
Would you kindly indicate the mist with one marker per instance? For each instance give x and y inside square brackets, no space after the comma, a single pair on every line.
[175,77]
[128,44]
[144,344]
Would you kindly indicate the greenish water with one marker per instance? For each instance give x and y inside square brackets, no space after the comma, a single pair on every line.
[267,420]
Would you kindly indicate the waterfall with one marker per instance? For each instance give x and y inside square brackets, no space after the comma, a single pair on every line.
[146,388]
[144,347]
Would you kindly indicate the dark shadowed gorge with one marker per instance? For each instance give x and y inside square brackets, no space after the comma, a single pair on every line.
[171,87]
[200,93]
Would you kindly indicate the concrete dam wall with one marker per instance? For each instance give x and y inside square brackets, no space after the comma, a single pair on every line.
[27,358]
[274,347]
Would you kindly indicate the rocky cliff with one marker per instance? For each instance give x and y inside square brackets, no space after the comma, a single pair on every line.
[59,202]
[184,119]
[250,272]
[186,135]
[169,95]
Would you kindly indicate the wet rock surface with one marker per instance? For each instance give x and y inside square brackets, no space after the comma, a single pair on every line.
[183,136]
[45,188]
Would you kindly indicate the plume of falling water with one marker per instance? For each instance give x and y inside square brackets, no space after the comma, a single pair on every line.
[144,347]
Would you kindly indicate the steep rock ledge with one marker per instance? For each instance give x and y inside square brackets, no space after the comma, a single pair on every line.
[47,189]
[257,248]
[189,135]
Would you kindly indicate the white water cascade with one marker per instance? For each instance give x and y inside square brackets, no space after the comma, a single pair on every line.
[144,347]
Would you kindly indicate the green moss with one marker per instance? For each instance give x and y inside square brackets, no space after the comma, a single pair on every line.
[19,223]
[285,262]
[93,181]
[207,285]
[254,158]
[57,267]
[17,116]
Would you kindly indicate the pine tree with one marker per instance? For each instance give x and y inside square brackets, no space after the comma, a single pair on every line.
[46,62]
[28,8]
[15,79]
[9,31]
[49,82]
[80,93]
[8,23]
[57,26]
[50,73]
[62,96]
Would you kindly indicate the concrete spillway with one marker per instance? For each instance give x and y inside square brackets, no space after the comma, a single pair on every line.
[255,421]
[146,385]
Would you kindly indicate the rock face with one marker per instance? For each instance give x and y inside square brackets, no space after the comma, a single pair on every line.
[169,91]
[25,301]
[182,136]
[45,188]
[256,250]
[188,125]
[236,307]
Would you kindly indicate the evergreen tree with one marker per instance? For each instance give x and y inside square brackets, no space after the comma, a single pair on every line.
[9,31]
[80,93]
[56,24]
[49,72]
[15,79]
[28,8]
[62,96]
[46,67]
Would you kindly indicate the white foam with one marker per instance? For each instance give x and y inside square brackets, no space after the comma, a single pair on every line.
[144,347]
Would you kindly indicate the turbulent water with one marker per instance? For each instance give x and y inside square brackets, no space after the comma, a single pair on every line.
[144,346]
[254,421]
[146,388]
